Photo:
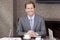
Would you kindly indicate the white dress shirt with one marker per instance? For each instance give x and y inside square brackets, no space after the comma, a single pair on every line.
[31,20]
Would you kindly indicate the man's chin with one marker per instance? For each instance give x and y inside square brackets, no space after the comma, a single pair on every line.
[30,14]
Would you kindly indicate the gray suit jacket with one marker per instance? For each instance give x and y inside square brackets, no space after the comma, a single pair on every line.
[23,25]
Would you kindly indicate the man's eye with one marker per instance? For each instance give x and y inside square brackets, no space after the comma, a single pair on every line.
[31,8]
[27,8]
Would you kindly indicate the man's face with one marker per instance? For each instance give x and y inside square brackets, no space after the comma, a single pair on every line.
[30,9]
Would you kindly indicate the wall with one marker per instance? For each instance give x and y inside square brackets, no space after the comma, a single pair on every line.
[6,17]
[48,11]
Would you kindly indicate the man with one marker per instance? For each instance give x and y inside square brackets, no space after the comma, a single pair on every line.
[31,23]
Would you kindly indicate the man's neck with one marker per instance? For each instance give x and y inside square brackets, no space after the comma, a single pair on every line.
[31,15]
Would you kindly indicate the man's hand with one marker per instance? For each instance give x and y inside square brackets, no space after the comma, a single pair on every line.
[32,33]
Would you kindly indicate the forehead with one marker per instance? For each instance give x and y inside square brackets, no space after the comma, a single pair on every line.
[29,5]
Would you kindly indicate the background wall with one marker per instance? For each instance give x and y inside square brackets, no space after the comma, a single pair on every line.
[6,17]
[51,11]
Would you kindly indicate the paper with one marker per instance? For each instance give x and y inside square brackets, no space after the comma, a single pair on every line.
[6,38]
[38,38]
[27,36]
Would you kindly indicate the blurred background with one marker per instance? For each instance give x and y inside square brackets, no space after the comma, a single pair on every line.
[11,10]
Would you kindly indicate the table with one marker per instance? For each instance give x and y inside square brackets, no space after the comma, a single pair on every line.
[18,38]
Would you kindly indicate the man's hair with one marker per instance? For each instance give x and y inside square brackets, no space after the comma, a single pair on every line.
[30,2]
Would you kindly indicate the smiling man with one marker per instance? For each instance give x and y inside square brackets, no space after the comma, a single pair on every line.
[31,23]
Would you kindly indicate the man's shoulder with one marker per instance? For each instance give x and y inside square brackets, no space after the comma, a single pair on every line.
[39,16]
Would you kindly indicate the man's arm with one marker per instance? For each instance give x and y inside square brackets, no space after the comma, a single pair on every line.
[19,28]
[43,29]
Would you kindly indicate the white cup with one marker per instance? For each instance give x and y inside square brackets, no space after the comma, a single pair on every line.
[27,37]
[38,38]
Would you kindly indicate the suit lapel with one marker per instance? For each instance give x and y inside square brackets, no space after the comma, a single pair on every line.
[35,22]
[27,22]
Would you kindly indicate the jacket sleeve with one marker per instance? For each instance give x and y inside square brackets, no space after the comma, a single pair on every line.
[42,32]
[20,31]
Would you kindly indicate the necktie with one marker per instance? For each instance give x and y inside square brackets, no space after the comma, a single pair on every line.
[31,24]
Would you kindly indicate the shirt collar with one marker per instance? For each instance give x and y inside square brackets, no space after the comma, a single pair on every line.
[31,17]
